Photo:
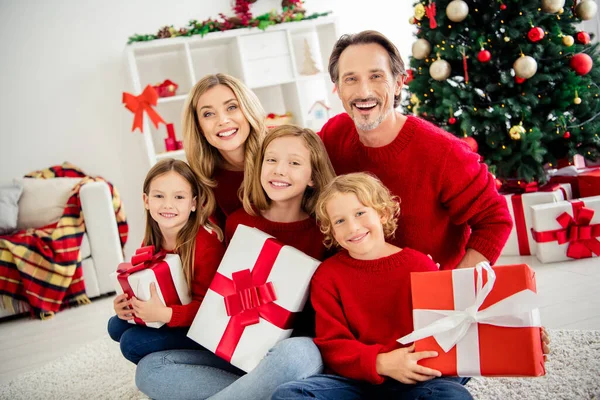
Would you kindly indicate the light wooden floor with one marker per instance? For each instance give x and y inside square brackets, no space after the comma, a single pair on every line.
[568,300]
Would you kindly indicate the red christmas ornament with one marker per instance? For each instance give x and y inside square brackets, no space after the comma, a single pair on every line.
[472,143]
[503,7]
[410,76]
[567,135]
[583,37]
[484,56]
[581,63]
[535,34]
[451,120]
[519,80]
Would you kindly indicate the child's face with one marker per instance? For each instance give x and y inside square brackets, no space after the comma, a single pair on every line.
[170,201]
[221,119]
[286,169]
[356,227]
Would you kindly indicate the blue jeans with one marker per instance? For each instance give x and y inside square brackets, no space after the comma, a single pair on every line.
[334,387]
[199,374]
[138,341]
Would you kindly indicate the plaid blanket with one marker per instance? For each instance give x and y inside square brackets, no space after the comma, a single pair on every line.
[41,268]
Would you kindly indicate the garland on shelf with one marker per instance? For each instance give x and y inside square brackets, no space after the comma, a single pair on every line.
[292,11]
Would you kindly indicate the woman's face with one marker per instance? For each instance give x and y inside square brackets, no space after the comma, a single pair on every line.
[221,119]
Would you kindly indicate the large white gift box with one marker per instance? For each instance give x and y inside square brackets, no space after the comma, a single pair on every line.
[165,270]
[567,230]
[251,303]
[520,241]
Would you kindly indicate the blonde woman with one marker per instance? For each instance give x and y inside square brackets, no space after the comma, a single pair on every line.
[223,126]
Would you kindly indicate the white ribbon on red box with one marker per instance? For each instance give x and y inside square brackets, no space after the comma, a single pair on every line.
[458,327]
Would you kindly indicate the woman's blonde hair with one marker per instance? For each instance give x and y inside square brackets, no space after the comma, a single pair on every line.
[201,155]
[370,192]
[186,237]
[322,171]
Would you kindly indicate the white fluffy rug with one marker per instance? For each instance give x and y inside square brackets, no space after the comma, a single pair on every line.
[98,371]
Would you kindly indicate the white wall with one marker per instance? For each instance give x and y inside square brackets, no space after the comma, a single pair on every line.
[63,72]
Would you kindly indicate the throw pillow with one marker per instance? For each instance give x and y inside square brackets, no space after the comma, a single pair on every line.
[9,208]
[43,201]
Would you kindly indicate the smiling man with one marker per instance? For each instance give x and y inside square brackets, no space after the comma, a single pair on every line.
[450,206]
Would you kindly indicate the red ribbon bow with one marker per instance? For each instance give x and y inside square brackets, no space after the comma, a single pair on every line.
[430,11]
[141,103]
[577,231]
[248,297]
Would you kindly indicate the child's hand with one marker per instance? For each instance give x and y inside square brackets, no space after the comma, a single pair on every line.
[545,343]
[401,365]
[431,258]
[152,310]
[122,307]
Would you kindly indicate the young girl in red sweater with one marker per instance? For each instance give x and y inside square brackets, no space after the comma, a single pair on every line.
[175,223]
[292,168]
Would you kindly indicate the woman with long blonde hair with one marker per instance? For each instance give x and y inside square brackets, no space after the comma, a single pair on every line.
[223,126]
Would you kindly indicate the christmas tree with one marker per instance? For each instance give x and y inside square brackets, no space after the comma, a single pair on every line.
[516,79]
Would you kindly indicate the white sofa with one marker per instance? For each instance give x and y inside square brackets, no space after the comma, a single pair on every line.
[101,248]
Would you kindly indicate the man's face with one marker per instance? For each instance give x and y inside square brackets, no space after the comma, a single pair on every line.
[366,85]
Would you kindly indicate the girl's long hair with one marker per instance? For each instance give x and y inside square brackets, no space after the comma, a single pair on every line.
[322,170]
[201,155]
[186,237]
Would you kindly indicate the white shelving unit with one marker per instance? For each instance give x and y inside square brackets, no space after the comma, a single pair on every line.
[269,62]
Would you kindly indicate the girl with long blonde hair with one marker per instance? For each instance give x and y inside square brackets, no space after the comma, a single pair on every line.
[177,221]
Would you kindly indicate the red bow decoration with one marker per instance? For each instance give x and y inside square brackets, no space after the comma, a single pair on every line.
[143,258]
[430,11]
[248,297]
[577,231]
[141,103]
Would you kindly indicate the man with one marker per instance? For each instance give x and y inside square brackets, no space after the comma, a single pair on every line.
[450,207]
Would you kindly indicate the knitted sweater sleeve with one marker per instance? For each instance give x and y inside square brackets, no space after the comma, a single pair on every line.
[469,193]
[207,259]
[341,351]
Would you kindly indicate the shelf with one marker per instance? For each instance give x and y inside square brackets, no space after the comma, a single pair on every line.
[174,154]
[171,99]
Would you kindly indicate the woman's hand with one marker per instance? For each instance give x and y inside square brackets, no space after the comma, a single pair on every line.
[122,307]
[401,365]
[545,343]
[152,310]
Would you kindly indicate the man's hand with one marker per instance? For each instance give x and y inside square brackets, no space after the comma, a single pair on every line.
[401,365]
[152,310]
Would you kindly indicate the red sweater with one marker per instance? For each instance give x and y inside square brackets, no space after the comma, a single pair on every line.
[449,200]
[228,183]
[362,308]
[303,235]
[208,255]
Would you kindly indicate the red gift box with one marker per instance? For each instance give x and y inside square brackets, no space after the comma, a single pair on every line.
[166,89]
[589,183]
[486,318]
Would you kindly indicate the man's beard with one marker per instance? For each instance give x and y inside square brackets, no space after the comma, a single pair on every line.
[369,126]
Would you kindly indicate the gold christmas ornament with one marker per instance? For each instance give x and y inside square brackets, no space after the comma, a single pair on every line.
[419,11]
[421,49]
[525,67]
[440,70]
[414,99]
[552,6]
[457,10]
[568,40]
[577,100]
[516,131]
[562,10]
[586,10]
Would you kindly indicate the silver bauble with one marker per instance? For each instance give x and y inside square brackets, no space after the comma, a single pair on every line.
[586,10]
[457,10]
[421,49]
[525,67]
[552,6]
[440,70]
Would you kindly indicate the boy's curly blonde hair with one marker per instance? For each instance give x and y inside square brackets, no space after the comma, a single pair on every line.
[370,192]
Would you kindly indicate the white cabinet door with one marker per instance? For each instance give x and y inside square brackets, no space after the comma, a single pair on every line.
[264,45]
[269,71]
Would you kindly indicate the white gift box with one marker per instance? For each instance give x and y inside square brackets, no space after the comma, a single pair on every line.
[140,280]
[567,230]
[520,241]
[250,304]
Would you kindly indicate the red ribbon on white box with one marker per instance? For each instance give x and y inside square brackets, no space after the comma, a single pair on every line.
[458,327]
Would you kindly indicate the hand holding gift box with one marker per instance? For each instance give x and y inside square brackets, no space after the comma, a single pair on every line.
[164,270]
[567,230]
[251,303]
[480,324]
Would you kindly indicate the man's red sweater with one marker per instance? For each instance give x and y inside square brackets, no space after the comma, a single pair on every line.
[303,235]
[449,200]
[362,307]
[208,255]
[226,193]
